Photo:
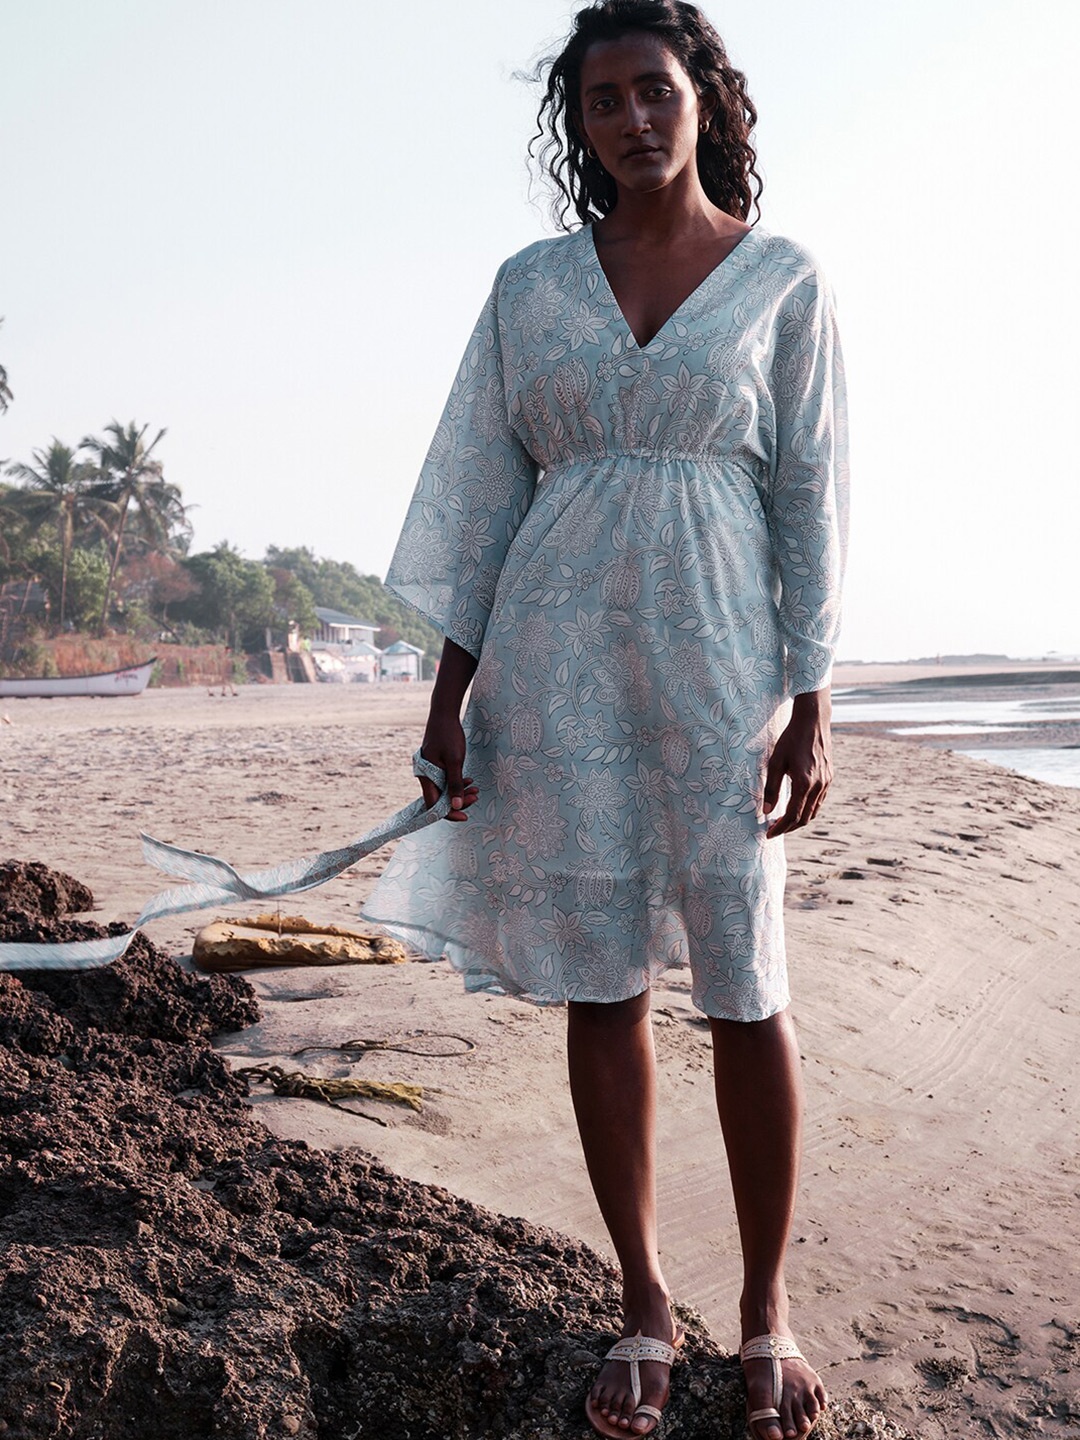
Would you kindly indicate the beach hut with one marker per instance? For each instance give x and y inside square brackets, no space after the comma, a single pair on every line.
[347,647]
[362,661]
[337,628]
[402,661]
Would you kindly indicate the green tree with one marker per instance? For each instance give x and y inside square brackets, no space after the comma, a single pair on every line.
[293,602]
[131,479]
[58,490]
[236,596]
[339,586]
[87,577]
[12,526]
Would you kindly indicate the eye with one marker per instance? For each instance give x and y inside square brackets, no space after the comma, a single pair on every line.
[605,102]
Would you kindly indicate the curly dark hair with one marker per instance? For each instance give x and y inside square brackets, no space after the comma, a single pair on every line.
[726,159]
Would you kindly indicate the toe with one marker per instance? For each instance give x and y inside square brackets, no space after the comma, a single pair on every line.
[767,1430]
[622,1408]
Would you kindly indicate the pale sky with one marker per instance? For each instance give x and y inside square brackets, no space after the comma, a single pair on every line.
[269,225]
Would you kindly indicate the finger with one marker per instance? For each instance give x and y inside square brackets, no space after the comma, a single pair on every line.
[429,790]
[805,811]
[774,778]
[789,819]
[818,799]
[455,784]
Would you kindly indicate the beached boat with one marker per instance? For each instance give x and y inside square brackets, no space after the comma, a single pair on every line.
[132,681]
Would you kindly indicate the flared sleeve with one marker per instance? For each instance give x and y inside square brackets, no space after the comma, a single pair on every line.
[807,502]
[474,490]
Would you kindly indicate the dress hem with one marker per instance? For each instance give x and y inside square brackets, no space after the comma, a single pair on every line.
[482,981]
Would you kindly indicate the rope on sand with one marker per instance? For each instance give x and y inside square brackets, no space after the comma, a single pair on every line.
[359,1048]
[216,883]
[298,1086]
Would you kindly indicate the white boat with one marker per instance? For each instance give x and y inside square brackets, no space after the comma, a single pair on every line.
[109,682]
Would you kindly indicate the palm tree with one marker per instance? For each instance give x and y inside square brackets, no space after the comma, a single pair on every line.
[57,489]
[161,521]
[131,480]
[6,396]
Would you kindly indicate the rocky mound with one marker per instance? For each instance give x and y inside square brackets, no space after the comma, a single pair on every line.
[30,892]
[173,1271]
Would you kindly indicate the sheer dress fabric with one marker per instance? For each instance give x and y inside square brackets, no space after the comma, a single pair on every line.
[643,547]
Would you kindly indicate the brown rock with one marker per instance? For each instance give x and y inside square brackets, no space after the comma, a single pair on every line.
[265,940]
[35,892]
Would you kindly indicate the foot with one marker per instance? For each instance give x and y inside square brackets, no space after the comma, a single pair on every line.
[803,1395]
[611,1396]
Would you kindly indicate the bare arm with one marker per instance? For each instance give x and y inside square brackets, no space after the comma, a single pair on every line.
[444,739]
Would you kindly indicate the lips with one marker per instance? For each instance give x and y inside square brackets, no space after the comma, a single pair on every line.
[641,150]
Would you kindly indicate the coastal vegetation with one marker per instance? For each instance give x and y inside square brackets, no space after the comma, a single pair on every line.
[96,541]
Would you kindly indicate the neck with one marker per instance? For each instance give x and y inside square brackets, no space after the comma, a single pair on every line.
[657,217]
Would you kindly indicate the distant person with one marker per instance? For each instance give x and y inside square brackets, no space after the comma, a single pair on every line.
[630,528]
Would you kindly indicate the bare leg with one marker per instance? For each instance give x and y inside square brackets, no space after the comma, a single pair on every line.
[759,1097]
[613,1083]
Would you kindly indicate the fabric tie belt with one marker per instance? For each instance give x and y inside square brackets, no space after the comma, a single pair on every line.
[216,883]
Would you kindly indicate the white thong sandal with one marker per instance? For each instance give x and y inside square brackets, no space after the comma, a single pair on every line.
[775,1348]
[632,1350]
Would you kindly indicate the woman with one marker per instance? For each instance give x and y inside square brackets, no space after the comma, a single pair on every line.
[630,527]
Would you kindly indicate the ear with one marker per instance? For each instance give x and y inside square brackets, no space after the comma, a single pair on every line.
[708,104]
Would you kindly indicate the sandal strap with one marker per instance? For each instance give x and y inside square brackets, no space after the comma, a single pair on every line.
[770,1347]
[635,1348]
[632,1350]
[649,1410]
[773,1348]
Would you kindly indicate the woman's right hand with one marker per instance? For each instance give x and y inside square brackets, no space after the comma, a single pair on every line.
[444,745]
[444,739]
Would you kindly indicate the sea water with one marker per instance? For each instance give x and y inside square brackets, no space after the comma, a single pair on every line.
[968,716]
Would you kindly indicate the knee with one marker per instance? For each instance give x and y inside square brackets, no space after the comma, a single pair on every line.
[608,1015]
[778,1027]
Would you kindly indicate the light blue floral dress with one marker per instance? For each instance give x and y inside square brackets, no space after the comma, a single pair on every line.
[643,546]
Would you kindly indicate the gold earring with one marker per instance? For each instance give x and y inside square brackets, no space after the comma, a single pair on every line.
[704,126]
[590,152]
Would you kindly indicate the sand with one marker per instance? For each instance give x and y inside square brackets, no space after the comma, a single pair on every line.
[932,929]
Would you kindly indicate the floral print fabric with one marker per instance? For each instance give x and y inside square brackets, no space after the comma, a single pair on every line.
[643,547]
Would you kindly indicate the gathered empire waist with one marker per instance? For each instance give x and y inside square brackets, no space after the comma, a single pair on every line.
[617,465]
[611,459]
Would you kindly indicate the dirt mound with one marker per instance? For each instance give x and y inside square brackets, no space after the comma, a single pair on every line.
[173,1271]
[30,891]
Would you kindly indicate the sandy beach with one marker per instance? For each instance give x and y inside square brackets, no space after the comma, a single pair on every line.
[932,922]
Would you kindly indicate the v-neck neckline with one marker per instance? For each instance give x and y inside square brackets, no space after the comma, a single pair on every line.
[707,279]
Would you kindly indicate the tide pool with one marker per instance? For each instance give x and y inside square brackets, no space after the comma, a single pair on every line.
[967,715]
[1056,767]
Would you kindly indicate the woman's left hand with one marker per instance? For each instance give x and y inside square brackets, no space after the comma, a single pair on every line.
[804,754]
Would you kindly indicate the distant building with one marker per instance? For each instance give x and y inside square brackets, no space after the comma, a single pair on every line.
[337,628]
[343,647]
[402,661]
[362,661]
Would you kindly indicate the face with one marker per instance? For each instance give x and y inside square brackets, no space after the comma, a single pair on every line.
[640,111]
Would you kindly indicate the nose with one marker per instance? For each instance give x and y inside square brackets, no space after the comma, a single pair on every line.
[636,119]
